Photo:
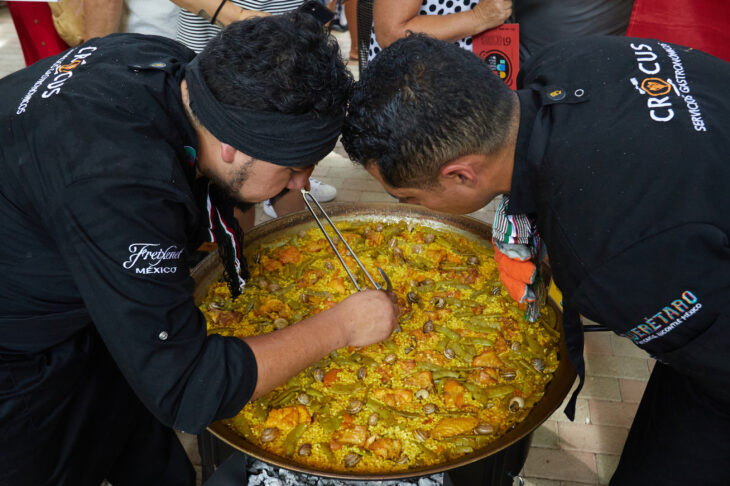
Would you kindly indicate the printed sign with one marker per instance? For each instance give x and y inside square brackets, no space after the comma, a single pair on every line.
[500,49]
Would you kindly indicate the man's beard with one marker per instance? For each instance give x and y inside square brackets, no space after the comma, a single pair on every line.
[231,188]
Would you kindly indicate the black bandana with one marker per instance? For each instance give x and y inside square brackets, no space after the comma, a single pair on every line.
[282,139]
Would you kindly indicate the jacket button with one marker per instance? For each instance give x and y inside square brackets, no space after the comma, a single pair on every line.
[163,335]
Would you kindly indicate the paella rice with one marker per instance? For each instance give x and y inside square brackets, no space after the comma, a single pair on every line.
[462,369]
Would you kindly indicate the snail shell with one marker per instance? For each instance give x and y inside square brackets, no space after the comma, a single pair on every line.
[351,460]
[483,429]
[449,353]
[305,450]
[280,323]
[303,398]
[269,434]
[430,408]
[354,406]
[318,374]
[516,403]
[428,326]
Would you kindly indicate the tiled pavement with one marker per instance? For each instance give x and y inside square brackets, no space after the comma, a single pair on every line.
[581,453]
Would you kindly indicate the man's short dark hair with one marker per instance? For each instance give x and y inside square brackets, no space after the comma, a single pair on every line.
[421,103]
[282,63]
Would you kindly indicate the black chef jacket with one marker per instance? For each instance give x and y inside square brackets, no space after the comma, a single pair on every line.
[98,216]
[623,155]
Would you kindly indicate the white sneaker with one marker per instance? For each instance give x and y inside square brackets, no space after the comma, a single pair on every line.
[269,209]
[321,191]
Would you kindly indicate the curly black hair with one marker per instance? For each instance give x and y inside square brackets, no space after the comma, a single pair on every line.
[282,63]
[421,103]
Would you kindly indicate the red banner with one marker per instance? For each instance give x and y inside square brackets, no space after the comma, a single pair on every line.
[701,24]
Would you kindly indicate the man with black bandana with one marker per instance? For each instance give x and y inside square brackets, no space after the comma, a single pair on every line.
[107,151]
[619,149]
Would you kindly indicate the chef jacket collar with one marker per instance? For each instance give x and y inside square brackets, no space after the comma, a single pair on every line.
[533,136]
[522,198]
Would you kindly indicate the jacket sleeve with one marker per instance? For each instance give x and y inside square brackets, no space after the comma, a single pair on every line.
[670,294]
[123,241]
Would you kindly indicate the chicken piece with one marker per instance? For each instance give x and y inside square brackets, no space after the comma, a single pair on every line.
[406,365]
[488,359]
[274,306]
[431,356]
[224,318]
[290,254]
[394,398]
[436,255]
[374,238]
[288,417]
[454,393]
[353,435]
[269,264]
[386,448]
[451,426]
[421,379]
[330,377]
[337,285]
[316,246]
[483,377]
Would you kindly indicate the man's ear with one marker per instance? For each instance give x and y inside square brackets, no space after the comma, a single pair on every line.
[459,171]
[227,153]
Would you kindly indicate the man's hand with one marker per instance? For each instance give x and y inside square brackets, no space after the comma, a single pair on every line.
[516,270]
[367,317]
[492,13]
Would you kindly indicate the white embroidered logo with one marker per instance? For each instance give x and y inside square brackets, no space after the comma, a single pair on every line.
[146,258]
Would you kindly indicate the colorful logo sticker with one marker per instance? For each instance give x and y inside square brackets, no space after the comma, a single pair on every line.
[500,64]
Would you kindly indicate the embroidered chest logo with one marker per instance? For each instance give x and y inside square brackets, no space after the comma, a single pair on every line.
[662,94]
[666,320]
[148,258]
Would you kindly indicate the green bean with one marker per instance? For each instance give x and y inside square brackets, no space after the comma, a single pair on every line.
[284,397]
[439,375]
[499,391]
[362,359]
[314,392]
[464,351]
[424,365]
[303,266]
[390,345]
[329,423]
[463,449]
[451,284]
[482,323]
[454,268]
[550,330]
[345,388]
[290,442]
[481,341]
[295,241]
[534,345]
[478,393]
[260,411]
[383,412]
[445,331]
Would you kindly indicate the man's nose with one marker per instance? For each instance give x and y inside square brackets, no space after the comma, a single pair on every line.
[300,179]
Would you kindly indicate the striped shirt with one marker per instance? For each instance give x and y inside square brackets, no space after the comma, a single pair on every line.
[195,32]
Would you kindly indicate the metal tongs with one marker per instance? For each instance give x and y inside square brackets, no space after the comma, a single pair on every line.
[388,286]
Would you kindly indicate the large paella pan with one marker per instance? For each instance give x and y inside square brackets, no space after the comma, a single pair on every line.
[464,378]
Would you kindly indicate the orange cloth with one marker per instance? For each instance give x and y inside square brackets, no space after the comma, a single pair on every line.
[516,275]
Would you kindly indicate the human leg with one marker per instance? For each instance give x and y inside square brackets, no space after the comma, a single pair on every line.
[679,435]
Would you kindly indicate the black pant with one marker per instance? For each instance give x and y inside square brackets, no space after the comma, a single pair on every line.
[680,435]
[81,423]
